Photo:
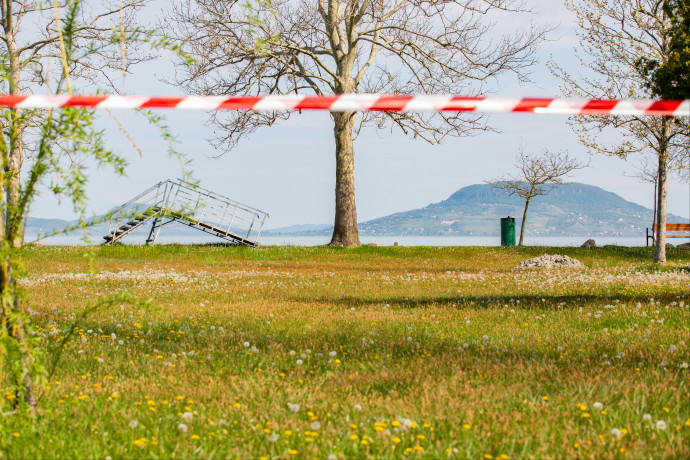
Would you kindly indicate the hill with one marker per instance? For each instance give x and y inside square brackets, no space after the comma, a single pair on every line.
[571,209]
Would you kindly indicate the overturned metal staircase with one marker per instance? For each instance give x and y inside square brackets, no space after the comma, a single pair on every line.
[183,202]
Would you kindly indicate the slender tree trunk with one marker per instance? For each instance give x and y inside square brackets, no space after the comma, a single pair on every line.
[522,225]
[12,222]
[13,324]
[660,246]
[656,200]
[345,230]
[16,150]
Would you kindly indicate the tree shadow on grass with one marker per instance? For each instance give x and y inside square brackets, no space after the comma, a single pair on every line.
[540,301]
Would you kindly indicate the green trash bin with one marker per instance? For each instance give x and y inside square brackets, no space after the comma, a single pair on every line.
[508,231]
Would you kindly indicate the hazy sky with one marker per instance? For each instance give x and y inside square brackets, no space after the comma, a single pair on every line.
[288,170]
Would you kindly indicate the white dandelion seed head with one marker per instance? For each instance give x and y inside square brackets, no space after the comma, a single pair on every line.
[660,425]
[188,417]
[293,407]
[358,407]
[113,336]
[647,418]
[332,354]
[273,437]
[315,425]
[100,360]
[616,432]
[405,422]
[120,342]
[182,427]
[298,362]
[332,457]
[292,353]
[133,423]
[598,406]
[246,344]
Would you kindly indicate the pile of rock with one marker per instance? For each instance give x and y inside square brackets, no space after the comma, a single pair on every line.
[551,261]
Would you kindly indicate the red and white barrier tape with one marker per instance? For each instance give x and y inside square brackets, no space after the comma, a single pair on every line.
[360,102]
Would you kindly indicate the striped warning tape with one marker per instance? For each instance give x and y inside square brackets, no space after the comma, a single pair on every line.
[360,102]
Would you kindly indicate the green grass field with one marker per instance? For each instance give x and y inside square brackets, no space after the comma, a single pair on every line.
[388,352]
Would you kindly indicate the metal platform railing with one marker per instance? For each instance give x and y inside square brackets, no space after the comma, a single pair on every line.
[181,201]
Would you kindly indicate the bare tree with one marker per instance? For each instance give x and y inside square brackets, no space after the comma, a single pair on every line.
[349,46]
[102,39]
[615,35]
[537,175]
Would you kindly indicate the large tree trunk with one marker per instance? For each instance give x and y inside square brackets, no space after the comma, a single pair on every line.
[660,246]
[345,230]
[522,225]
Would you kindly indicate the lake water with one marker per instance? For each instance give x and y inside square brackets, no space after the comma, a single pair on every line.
[70,240]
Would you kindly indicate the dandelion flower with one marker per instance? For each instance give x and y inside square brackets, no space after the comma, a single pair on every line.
[616,432]
[133,423]
[647,418]
[598,406]
[182,427]
[299,362]
[188,417]
[315,425]
[293,407]
[332,354]
[273,437]
[660,425]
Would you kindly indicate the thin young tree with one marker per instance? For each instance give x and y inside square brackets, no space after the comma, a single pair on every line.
[615,36]
[101,40]
[350,46]
[49,47]
[537,174]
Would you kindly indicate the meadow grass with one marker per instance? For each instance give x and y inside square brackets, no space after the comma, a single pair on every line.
[389,352]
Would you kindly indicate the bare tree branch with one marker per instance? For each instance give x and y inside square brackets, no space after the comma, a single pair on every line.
[537,175]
